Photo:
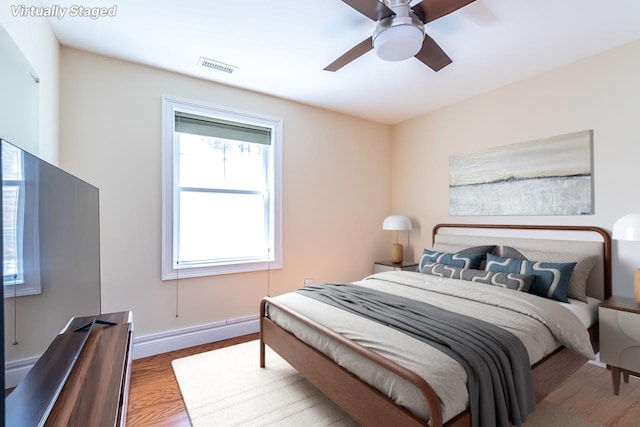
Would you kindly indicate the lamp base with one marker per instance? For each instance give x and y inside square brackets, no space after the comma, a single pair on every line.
[636,285]
[397,253]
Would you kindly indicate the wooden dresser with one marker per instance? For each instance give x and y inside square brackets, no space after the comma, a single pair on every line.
[620,338]
[81,379]
[380,266]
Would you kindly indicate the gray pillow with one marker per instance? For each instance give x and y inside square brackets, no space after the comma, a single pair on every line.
[578,280]
[478,249]
[517,282]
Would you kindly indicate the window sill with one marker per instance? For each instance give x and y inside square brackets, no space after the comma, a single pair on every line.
[216,270]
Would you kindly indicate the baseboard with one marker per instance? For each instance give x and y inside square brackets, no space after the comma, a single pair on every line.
[597,361]
[16,370]
[149,345]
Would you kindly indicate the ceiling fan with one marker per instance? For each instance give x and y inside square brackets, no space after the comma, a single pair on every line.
[399,32]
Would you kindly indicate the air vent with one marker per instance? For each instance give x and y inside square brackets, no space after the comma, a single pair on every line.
[216,65]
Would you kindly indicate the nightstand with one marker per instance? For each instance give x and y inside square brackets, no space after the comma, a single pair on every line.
[380,266]
[620,338]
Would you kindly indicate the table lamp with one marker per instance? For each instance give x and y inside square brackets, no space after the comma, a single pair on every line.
[396,223]
[628,228]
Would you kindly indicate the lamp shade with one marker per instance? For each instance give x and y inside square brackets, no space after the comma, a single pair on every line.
[396,222]
[627,228]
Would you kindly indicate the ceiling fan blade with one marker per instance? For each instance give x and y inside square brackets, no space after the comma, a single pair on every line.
[373,9]
[432,55]
[352,54]
[430,10]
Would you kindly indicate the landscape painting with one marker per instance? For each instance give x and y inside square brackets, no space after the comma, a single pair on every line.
[551,176]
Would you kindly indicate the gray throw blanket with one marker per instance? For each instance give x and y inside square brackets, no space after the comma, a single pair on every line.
[497,363]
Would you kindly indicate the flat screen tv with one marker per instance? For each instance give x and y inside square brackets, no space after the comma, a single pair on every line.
[50,256]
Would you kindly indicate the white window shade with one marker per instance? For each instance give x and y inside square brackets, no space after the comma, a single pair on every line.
[208,126]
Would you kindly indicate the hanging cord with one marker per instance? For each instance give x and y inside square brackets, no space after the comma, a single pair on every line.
[15,294]
[177,288]
[269,273]
[15,310]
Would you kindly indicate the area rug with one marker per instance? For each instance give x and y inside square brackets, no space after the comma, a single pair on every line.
[227,387]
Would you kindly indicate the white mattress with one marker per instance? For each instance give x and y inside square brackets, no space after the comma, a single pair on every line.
[449,381]
[586,312]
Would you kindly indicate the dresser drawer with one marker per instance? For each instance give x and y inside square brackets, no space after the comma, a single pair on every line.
[620,338]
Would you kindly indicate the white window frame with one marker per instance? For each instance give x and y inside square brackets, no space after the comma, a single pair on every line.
[27,281]
[172,269]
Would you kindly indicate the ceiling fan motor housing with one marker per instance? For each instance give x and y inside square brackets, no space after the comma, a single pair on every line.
[400,36]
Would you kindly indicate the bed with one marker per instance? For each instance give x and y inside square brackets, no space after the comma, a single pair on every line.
[369,371]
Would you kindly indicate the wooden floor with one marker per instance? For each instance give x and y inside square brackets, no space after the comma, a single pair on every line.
[589,393]
[155,400]
[154,396]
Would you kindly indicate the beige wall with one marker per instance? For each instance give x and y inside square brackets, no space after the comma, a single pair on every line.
[36,40]
[600,93]
[336,183]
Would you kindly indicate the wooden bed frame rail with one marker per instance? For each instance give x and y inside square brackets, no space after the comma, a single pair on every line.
[370,407]
[365,404]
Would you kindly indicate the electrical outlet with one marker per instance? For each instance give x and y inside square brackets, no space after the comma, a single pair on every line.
[308,281]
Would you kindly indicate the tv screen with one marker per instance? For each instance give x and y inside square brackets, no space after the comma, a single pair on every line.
[50,255]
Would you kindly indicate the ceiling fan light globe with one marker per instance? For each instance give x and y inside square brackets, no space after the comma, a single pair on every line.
[398,42]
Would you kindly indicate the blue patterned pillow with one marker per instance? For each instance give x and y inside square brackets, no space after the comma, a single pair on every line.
[456,260]
[552,278]
[517,282]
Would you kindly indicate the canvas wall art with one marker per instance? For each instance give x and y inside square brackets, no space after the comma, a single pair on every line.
[551,176]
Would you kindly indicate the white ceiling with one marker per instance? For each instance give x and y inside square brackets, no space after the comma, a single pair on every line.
[281,46]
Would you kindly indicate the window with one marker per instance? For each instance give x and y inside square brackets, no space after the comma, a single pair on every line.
[20,251]
[221,191]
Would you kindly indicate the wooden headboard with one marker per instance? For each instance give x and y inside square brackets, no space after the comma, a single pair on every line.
[576,240]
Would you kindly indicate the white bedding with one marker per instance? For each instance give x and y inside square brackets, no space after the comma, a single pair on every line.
[586,312]
[542,325]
